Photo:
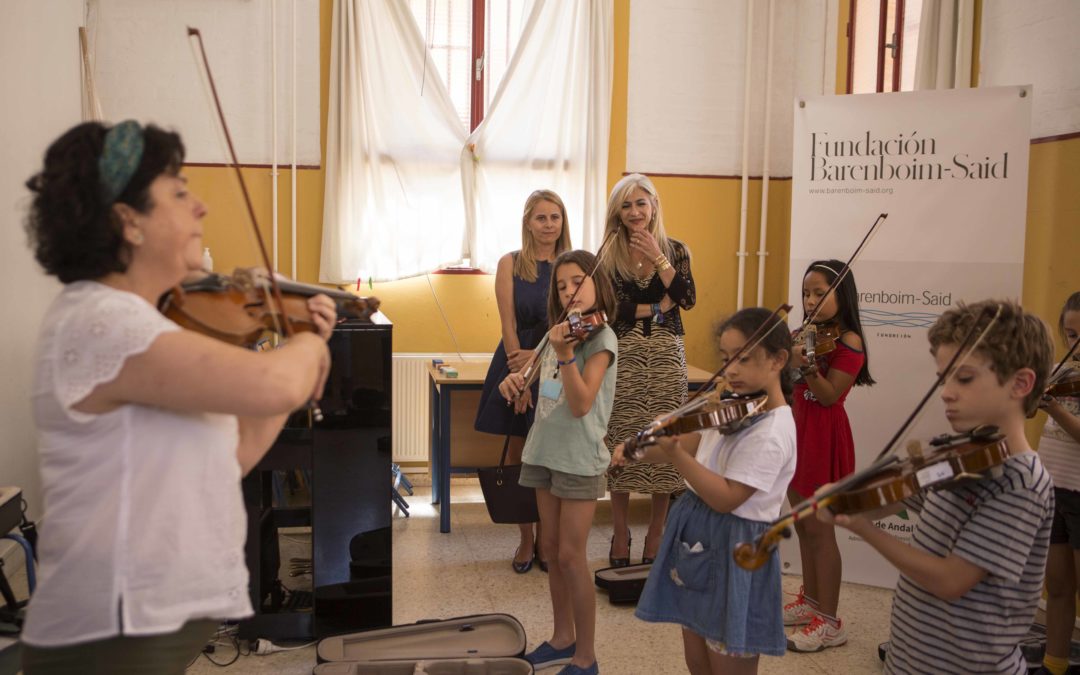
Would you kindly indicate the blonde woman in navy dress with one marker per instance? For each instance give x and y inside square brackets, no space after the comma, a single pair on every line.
[521,291]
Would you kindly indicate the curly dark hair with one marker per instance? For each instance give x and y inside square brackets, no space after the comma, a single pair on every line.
[72,229]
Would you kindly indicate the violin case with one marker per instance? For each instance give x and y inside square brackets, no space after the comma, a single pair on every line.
[481,644]
[623,584]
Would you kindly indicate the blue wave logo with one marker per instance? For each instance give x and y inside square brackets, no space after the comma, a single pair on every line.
[881,317]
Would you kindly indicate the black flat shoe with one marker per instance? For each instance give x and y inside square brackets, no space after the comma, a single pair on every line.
[540,562]
[646,560]
[620,562]
[520,567]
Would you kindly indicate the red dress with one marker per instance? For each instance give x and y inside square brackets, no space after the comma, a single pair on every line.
[825,450]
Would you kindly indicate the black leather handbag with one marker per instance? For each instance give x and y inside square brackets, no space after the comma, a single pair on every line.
[507,502]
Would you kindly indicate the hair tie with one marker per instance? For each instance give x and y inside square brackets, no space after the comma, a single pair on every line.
[120,158]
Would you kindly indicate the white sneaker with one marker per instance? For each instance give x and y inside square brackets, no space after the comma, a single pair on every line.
[817,635]
[799,612]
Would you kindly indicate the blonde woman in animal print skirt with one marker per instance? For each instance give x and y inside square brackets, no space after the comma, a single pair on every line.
[653,284]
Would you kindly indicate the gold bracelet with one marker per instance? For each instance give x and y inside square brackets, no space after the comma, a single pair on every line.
[659,260]
[663,265]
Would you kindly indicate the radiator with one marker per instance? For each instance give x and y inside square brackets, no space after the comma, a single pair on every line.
[411,418]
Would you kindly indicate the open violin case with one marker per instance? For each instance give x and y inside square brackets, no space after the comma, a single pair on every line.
[483,644]
[623,584]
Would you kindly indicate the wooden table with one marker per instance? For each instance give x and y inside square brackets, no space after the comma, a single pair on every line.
[470,377]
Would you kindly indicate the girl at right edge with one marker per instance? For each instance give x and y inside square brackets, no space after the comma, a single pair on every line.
[826,451]
[1059,450]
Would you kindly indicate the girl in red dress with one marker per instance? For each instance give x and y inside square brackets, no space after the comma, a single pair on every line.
[825,450]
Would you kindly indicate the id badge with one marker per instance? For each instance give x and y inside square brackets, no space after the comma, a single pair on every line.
[551,389]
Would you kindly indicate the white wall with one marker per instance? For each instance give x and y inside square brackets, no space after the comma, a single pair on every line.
[146,70]
[39,75]
[686,81]
[1035,42]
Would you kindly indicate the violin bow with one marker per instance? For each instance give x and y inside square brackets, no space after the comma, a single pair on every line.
[810,505]
[275,291]
[1064,360]
[752,342]
[530,372]
[844,271]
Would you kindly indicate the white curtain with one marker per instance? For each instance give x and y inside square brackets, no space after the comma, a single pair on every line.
[946,30]
[408,191]
[547,128]
[393,205]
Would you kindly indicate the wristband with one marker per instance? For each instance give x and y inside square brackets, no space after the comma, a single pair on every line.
[566,363]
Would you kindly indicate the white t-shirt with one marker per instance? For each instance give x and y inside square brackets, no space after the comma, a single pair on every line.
[761,456]
[144,520]
[1059,452]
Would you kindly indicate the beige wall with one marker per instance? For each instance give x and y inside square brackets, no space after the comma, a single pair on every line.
[39,78]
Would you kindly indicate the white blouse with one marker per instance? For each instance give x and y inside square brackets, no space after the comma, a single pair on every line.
[144,520]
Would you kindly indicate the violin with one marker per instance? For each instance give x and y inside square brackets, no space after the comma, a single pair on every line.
[1069,387]
[582,326]
[728,413]
[950,462]
[817,339]
[238,309]
[890,477]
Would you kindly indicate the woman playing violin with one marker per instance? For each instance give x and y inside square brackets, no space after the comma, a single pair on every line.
[970,580]
[145,428]
[737,482]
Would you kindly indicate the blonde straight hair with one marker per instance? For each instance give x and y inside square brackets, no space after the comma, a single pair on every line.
[618,259]
[525,262]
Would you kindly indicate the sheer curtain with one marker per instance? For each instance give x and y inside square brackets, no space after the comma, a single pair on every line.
[943,59]
[547,128]
[407,189]
[393,205]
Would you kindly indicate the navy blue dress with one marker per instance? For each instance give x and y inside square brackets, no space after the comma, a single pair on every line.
[530,310]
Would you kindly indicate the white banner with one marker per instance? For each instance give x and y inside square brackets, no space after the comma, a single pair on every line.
[950,168]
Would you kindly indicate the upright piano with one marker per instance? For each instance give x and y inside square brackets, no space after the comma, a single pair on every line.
[348,454]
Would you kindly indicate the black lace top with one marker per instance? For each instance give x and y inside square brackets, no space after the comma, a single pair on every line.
[631,292]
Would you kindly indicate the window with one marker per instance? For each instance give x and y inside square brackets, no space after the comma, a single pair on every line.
[471,42]
[883,38]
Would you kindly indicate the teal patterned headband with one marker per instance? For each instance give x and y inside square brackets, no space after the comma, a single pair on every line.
[120,158]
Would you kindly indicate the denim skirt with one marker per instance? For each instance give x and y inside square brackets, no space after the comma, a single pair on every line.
[695,582]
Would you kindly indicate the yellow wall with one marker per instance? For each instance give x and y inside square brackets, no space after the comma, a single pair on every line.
[703,212]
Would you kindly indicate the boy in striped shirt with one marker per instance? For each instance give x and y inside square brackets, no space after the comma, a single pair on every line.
[970,580]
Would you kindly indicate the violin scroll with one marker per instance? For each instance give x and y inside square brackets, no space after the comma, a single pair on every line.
[753,556]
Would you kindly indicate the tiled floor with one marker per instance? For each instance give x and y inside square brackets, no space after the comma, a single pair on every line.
[468,572]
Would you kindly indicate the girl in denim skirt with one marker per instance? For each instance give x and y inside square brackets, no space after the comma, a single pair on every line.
[737,482]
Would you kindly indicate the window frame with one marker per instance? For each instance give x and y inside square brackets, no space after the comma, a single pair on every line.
[896,45]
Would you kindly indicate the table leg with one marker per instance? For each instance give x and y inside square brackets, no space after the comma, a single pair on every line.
[436,443]
[444,461]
